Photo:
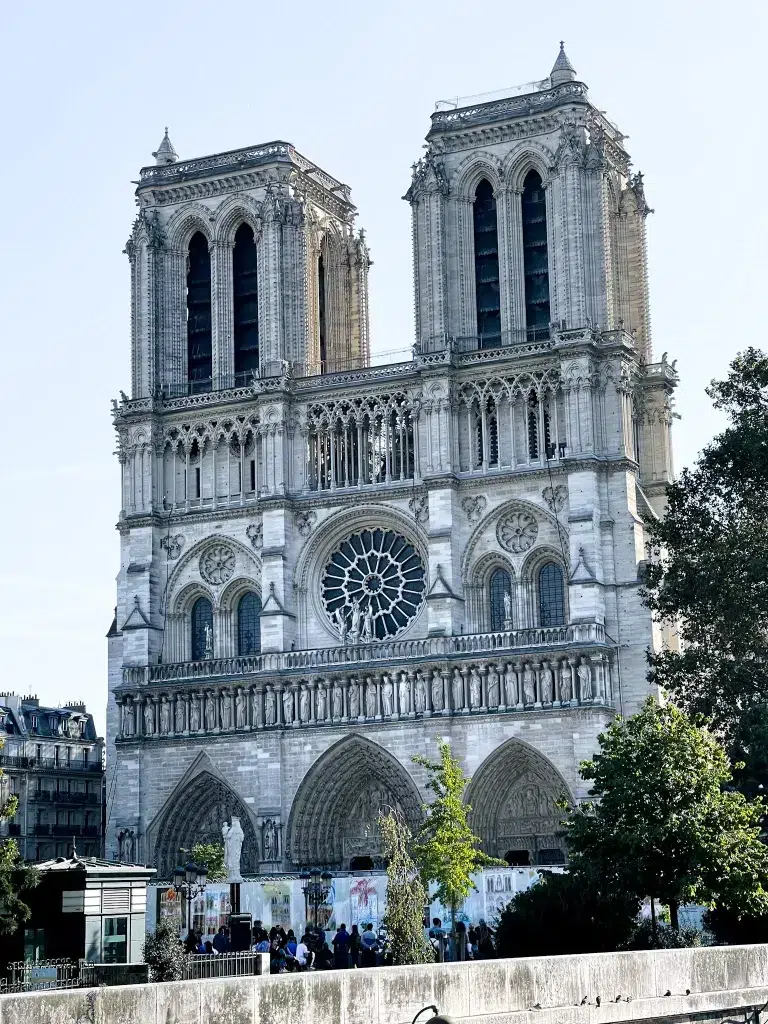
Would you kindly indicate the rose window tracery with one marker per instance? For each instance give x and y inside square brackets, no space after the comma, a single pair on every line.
[517,531]
[217,564]
[373,586]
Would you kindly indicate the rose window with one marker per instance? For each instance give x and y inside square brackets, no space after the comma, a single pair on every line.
[217,563]
[517,531]
[373,585]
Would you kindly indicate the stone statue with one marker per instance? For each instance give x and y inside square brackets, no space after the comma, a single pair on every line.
[421,694]
[437,690]
[547,684]
[233,837]
[240,709]
[404,694]
[210,713]
[585,680]
[494,687]
[566,683]
[338,701]
[457,690]
[356,614]
[304,704]
[270,707]
[510,687]
[255,709]
[320,696]
[341,625]
[179,714]
[208,653]
[165,716]
[370,698]
[475,688]
[354,700]
[194,714]
[226,711]
[149,719]
[529,685]
[507,608]
[269,840]
[128,719]
[387,694]
[368,624]
[288,706]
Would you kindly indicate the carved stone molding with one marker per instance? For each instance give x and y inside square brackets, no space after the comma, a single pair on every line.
[555,497]
[217,563]
[474,507]
[420,508]
[173,545]
[255,534]
[304,522]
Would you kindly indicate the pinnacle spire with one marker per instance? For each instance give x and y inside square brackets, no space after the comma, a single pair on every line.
[165,153]
[562,69]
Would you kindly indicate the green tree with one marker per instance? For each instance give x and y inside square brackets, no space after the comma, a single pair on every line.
[709,570]
[406,896]
[16,877]
[663,825]
[566,913]
[211,857]
[446,849]
[164,953]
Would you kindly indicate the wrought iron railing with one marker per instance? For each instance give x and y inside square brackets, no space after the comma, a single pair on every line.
[358,654]
[223,965]
[32,976]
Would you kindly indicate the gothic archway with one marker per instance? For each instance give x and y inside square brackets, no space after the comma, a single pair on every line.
[334,812]
[513,797]
[196,817]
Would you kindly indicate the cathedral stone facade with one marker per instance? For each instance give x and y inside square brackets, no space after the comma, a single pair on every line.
[326,565]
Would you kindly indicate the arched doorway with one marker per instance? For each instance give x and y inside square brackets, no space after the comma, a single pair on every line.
[333,820]
[196,816]
[514,798]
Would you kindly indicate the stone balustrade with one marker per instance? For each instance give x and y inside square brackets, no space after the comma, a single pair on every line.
[363,654]
[432,687]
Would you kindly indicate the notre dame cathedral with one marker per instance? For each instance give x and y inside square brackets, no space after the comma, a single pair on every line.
[328,564]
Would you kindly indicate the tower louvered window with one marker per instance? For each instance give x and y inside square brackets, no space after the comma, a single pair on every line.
[249,624]
[487,267]
[535,257]
[245,305]
[199,348]
[551,595]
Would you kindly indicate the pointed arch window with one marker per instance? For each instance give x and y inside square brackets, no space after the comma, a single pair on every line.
[202,616]
[245,305]
[535,257]
[249,624]
[199,344]
[321,318]
[551,595]
[500,584]
[487,292]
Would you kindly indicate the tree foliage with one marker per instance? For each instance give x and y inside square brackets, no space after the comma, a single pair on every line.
[446,849]
[406,897]
[211,857]
[709,573]
[164,953]
[663,825]
[566,913]
[16,877]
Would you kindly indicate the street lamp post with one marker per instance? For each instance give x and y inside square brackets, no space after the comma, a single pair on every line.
[189,881]
[316,887]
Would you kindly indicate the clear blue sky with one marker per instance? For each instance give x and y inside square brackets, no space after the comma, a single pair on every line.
[87,89]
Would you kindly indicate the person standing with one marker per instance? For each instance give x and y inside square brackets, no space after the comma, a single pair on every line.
[354,947]
[368,946]
[341,948]
[220,941]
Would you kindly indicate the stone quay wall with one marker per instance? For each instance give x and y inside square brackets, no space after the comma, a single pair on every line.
[702,985]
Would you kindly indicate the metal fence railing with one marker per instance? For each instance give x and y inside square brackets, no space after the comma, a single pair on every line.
[33,976]
[225,965]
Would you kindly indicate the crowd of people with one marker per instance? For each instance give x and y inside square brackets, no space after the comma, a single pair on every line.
[317,951]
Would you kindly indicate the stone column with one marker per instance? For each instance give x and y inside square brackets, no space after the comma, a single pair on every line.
[465,689]
[446,690]
[412,691]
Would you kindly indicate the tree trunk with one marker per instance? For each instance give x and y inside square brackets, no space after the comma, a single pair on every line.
[653,921]
[454,937]
[674,920]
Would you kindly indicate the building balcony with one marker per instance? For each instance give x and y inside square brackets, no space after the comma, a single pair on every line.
[395,651]
[49,796]
[52,764]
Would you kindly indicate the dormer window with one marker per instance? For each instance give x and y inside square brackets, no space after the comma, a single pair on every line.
[34,721]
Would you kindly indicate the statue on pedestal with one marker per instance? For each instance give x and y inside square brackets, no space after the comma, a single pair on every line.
[341,625]
[421,694]
[437,690]
[457,690]
[288,707]
[269,840]
[304,703]
[387,694]
[320,696]
[194,714]
[404,694]
[208,652]
[475,688]
[566,683]
[547,684]
[149,719]
[494,687]
[165,716]
[270,708]
[585,680]
[240,709]
[529,684]
[233,837]
[338,701]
